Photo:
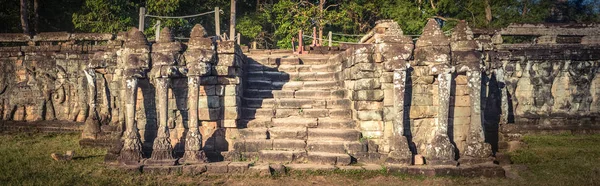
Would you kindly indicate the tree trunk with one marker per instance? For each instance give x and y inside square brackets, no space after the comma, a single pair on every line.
[36,17]
[321,4]
[524,12]
[232,21]
[488,12]
[24,17]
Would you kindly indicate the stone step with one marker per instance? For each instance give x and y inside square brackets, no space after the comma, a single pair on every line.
[321,85]
[340,147]
[280,156]
[267,76]
[306,85]
[310,68]
[256,98]
[295,122]
[300,112]
[259,102]
[258,93]
[253,113]
[329,158]
[253,145]
[291,103]
[253,77]
[289,144]
[298,103]
[256,145]
[340,113]
[297,133]
[336,123]
[253,133]
[333,134]
[255,123]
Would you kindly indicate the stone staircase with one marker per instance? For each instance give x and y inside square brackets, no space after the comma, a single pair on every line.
[296,111]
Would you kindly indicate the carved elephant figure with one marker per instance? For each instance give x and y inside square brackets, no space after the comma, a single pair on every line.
[40,91]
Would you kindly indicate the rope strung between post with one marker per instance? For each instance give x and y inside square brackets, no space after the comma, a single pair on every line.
[331,40]
[352,35]
[182,17]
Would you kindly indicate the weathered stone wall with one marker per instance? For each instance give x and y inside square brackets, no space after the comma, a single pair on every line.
[546,85]
[434,97]
[63,76]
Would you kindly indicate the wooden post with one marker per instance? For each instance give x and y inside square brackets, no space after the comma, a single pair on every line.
[329,35]
[293,46]
[142,18]
[238,38]
[157,31]
[314,35]
[232,21]
[253,45]
[300,43]
[217,23]
[320,37]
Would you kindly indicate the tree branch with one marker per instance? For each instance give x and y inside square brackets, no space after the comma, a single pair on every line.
[446,18]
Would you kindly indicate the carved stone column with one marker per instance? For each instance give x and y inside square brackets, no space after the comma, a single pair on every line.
[433,50]
[134,59]
[193,140]
[92,124]
[131,153]
[499,72]
[199,56]
[162,151]
[440,151]
[468,58]
[165,55]
[400,150]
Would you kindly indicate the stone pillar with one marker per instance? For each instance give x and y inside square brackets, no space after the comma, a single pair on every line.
[92,124]
[199,57]
[468,58]
[193,140]
[440,151]
[131,153]
[134,59]
[162,151]
[166,65]
[400,151]
[433,51]
[476,150]
[503,95]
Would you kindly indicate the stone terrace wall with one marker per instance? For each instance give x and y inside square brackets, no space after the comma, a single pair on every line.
[66,76]
[434,97]
[545,85]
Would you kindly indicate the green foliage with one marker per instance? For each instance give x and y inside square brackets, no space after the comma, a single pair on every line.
[105,16]
[273,24]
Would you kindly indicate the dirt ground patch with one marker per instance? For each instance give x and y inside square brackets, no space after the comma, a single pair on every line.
[547,160]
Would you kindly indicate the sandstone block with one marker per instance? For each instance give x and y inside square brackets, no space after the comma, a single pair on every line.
[340,113]
[209,113]
[368,95]
[339,104]
[371,115]
[231,113]
[209,102]
[461,101]
[367,84]
[371,125]
[423,112]
[462,111]
[231,101]
[368,105]
[229,123]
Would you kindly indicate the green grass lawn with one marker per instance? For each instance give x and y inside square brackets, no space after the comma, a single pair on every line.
[25,160]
